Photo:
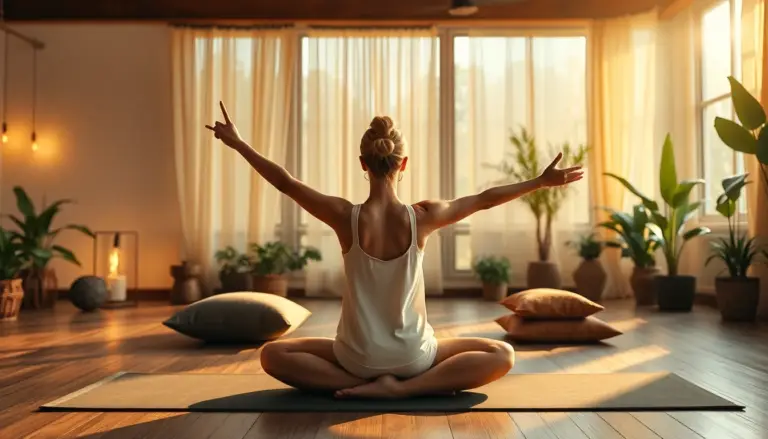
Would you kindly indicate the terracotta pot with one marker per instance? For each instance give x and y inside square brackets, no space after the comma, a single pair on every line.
[737,298]
[675,293]
[543,275]
[641,281]
[273,284]
[590,278]
[494,292]
[11,298]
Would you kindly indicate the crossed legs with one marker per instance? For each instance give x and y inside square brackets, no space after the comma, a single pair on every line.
[460,364]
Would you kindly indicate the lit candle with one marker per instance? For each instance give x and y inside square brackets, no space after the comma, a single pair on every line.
[116,282]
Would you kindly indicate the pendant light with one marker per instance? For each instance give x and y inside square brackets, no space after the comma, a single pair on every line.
[34,99]
[5,93]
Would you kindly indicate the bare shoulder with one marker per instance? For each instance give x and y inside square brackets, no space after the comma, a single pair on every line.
[428,212]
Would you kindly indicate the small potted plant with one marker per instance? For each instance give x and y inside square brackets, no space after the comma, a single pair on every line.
[11,261]
[738,294]
[273,260]
[674,291]
[37,237]
[493,272]
[590,276]
[637,244]
[544,204]
[234,270]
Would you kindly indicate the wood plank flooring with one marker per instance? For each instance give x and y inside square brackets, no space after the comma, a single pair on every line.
[47,354]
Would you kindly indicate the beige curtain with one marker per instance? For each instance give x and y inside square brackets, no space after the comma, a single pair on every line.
[223,202]
[623,134]
[753,63]
[348,77]
[505,83]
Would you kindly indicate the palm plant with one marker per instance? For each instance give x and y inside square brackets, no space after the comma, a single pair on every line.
[633,237]
[276,258]
[524,163]
[11,261]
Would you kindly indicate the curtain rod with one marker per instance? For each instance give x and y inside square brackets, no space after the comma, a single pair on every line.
[37,44]
[232,26]
[302,26]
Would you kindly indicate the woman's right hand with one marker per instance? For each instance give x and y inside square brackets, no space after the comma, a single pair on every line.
[226,132]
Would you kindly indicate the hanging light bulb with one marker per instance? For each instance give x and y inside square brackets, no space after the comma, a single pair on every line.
[5,132]
[35,147]
[34,99]
[5,93]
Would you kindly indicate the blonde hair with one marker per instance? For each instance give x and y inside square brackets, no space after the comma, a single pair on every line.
[382,147]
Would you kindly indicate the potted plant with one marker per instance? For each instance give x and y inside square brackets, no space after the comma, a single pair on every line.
[493,272]
[590,277]
[738,294]
[37,238]
[234,270]
[674,292]
[11,262]
[636,243]
[273,260]
[526,164]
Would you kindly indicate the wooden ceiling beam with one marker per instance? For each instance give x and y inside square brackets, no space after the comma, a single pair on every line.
[307,10]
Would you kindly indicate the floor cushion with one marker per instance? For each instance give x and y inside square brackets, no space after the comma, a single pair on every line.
[239,317]
[586,330]
[547,303]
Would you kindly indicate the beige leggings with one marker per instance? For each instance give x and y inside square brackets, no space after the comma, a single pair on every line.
[408,370]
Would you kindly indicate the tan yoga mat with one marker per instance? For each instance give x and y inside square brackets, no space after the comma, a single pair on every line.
[261,393]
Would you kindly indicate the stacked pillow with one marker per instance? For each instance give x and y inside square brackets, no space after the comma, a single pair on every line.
[544,315]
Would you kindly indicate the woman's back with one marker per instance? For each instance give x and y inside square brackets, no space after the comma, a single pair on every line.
[384,320]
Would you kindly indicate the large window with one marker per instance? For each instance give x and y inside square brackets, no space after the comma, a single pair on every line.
[720,57]
[502,84]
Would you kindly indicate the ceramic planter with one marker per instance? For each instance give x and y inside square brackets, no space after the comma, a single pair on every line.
[543,275]
[642,284]
[590,279]
[737,298]
[236,282]
[494,292]
[675,293]
[273,284]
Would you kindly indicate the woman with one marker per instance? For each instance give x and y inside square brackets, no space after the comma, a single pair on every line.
[384,346]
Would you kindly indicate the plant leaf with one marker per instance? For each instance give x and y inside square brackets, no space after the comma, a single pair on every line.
[656,231]
[66,254]
[24,204]
[698,231]
[668,171]
[726,206]
[649,203]
[683,191]
[761,151]
[735,136]
[748,109]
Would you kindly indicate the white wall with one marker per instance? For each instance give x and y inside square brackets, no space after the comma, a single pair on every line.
[105,131]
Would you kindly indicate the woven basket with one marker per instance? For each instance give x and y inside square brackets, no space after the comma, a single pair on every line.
[10,299]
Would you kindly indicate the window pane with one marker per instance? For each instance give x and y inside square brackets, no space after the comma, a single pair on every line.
[716,50]
[463,252]
[719,160]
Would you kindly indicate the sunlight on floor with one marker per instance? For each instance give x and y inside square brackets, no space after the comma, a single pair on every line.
[619,361]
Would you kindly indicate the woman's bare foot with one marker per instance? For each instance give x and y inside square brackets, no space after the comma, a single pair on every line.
[384,387]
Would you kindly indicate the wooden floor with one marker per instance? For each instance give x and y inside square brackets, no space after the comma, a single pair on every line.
[48,354]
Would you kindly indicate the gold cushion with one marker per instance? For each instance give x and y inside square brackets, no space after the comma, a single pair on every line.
[587,330]
[546,303]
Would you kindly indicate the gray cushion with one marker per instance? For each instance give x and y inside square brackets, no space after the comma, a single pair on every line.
[239,317]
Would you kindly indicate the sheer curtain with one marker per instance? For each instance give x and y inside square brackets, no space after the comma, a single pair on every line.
[504,83]
[623,123]
[348,77]
[223,202]
[753,39]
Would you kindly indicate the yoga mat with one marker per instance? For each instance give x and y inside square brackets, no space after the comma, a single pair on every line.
[261,393]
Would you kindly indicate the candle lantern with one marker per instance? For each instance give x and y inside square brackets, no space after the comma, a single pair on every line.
[116,260]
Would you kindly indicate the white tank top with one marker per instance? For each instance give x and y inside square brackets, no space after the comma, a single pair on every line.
[383,314]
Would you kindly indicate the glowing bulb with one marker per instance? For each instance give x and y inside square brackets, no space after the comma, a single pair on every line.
[5,138]
[5,133]
[34,142]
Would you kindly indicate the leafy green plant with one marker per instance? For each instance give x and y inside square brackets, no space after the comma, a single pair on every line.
[737,251]
[36,235]
[634,239]
[11,257]
[232,261]
[587,246]
[492,270]
[276,258]
[524,163]
[749,135]
[668,226]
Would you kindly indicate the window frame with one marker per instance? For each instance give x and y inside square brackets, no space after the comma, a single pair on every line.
[701,105]
[449,235]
